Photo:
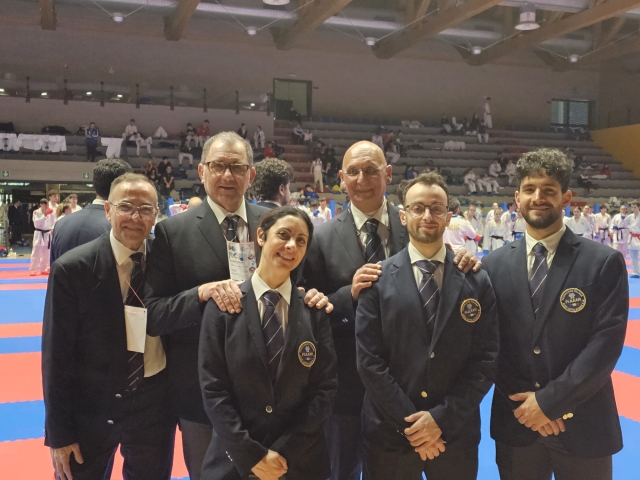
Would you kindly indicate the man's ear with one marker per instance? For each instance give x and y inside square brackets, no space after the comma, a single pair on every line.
[403,217]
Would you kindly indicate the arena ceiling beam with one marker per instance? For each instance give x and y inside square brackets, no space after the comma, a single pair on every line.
[432,25]
[175,25]
[598,13]
[309,18]
[47,15]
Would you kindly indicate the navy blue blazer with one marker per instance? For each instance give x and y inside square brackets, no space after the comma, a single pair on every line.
[268,205]
[77,229]
[565,357]
[405,370]
[250,415]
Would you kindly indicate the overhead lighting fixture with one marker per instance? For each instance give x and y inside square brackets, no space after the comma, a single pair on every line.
[574,58]
[1,90]
[252,105]
[527,18]
[88,93]
[119,95]
[43,94]
[118,17]
[476,50]
[371,41]
[251,31]
[277,3]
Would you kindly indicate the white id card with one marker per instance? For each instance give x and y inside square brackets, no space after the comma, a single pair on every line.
[135,319]
[242,260]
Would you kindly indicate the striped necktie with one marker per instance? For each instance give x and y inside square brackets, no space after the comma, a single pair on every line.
[136,359]
[429,291]
[373,249]
[232,228]
[538,276]
[272,332]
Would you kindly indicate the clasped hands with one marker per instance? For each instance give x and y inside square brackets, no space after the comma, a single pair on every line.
[271,467]
[531,416]
[424,435]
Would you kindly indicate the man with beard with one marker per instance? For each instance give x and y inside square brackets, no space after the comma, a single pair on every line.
[554,409]
[427,344]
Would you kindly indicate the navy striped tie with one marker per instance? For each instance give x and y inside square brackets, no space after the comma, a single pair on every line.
[429,291]
[136,359]
[232,228]
[272,332]
[373,249]
[538,276]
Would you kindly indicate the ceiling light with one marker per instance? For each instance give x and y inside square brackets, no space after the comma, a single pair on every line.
[1,90]
[118,17]
[527,18]
[574,58]
[253,105]
[88,93]
[251,31]
[43,94]
[276,2]
[119,95]
[476,50]
[371,41]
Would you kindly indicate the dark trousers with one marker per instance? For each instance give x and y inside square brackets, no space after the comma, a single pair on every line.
[455,463]
[142,427]
[344,442]
[196,438]
[92,150]
[545,457]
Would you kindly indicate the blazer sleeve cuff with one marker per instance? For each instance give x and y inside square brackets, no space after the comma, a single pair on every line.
[246,457]
[444,421]
[549,406]
[60,439]
[344,313]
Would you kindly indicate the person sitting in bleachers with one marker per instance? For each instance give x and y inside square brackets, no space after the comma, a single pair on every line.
[130,130]
[162,166]
[496,233]
[309,192]
[410,172]
[192,135]
[307,138]
[490,185]
[470,180]
[495,169]
[259,138]
[457,128]
[604,174]
[510,171]
[377,139]
[168,184]
[331,169]
[242,131]
[391,150]
[298,134]
[185,152]
[474,125]
[142,142]
[483,136]
[446,124]
[151,166]
[203,133]
[268,151]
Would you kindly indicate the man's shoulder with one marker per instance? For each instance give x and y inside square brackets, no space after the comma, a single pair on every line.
[178,223]
[80,256]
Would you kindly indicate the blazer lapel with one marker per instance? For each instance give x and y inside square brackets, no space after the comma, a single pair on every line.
[210,228]
[254,216]
[254,322]
[397,231]
[560,267]
[449,292]
[297,314]
[520,276]
[346,230]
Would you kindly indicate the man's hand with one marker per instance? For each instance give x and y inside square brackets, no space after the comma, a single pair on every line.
[226,294]
[554,427]
[467,261]
[364,278]
[424,430]
[271,467]
[529,413]
[429,452]
[60,460]
[314,298]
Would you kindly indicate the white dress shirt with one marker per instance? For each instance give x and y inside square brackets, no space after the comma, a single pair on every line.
[154,357]
[550,243]
[282,308]
[243,224]
[415,255]
[382,215]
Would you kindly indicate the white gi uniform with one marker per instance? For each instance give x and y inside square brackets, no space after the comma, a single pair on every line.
[508,220]
[603,228]
[487,115]
[620,231]
[488,183]
[510,171]
[495,169]
[519,228]
[316,169]
[490,216]
[495,235]
[591,218]
[470,182]
[460,234]
[475,221]
[633,223]
[580,227]
[41,240]
[258,139]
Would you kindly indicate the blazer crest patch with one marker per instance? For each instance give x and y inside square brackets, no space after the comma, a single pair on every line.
[470,310]
[573,300]
[307,354]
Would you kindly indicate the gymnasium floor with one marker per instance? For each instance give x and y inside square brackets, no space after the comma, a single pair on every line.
[24,457]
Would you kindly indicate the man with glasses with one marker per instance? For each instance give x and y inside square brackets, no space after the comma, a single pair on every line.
[427,345]
[190,264]
[104,379]
[342,261]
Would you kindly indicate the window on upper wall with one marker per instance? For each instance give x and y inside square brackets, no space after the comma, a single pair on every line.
[573,113]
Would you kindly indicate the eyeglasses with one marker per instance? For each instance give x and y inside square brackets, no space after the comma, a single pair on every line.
[417,210]
[368,172]
[127,210]
[219,168]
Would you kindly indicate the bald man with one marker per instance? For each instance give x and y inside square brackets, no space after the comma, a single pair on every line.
[343,260]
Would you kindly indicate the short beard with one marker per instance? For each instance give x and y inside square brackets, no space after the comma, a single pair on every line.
[543,222]
[426,238]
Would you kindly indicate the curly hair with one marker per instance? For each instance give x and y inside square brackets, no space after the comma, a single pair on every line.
[545,161]
[270,174]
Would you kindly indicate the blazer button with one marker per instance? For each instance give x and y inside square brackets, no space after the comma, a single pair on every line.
[564,417]
[424,394]
[269,409]
[536,350]
[432,355]
[110,422]
[569,415]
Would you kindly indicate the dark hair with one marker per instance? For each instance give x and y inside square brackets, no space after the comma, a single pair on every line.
[52,192]
[401,189]
[545,162]
[164,158]
[429,179]
[270,219]
[130,177]
[636,203]
[105,172]
[72,195]
[577,208]
[132,120]
[510,204]
[270,174]
[207,121]
[473,204]
[454,205]
[43,201]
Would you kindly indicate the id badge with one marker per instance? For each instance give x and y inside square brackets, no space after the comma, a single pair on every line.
[135,319]
[242,260]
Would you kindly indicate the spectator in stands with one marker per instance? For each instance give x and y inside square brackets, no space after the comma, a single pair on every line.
[155,179]
[316,171]
[259,138]
[400,144]
[298,194]
[586,183]
[489,184]
[496,233]
[43,220]
[91,222]
[203,133]
[130,130]
[53,199]
[470,180]
[92,134]
[377,139]
[329,154]
[308,137]
[242,131]
[185,152]
[151,166]
[495,169]
[162,166]
[272,182]
[457,128]
[72,200]
[446,124]
[142,142]
[488,122]
[331,173]
[604,174]
[400,189]
[160,133]
[278,150]
[167,183]
[391,150]
[298,134]
[309,192]
[63,210]
[430,166]
[410,172]
[268,151]
[474,124]
[192,135]
[483,136]
[510,171]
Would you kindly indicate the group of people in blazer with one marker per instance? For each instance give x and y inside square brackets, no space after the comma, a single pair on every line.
[360,347]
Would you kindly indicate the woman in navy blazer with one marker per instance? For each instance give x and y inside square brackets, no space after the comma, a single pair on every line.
[268,388]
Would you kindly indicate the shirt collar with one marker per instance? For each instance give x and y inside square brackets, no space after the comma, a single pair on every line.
[415,255]
[221,213]
[260,287]
[382,215]
[122,253]
[98,201]
[272,202]
[550,243]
